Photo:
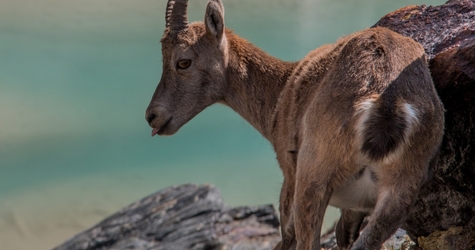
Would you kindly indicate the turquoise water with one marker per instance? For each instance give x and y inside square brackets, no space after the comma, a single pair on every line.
[75,79]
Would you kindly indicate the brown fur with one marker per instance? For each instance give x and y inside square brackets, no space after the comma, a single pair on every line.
[355,124]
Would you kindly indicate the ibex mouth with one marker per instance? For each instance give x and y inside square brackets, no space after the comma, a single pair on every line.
[155,131]
[161,129]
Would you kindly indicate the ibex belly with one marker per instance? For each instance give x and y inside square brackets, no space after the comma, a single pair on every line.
[359,193]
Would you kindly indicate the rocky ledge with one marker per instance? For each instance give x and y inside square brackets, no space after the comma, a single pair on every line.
[182,217]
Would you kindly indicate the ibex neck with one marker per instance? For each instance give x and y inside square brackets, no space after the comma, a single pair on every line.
[255,81]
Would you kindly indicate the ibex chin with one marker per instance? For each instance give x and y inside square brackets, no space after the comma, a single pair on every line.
[356,124]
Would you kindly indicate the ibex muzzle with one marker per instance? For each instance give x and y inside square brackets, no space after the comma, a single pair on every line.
[356,124]
[193,69]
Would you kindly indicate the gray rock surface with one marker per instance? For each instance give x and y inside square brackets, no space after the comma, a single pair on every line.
[182,217]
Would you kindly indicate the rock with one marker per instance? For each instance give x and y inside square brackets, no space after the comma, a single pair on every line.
[400,240]
[182,217]
[447,33]
[454,238]
[437,28]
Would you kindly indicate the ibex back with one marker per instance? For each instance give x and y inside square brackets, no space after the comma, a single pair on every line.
[356,124]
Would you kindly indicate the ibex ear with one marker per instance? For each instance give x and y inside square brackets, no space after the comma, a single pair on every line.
[214,19]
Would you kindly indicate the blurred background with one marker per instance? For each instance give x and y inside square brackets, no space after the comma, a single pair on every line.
[75,79]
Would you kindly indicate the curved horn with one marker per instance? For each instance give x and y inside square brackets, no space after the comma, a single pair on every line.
[176,17]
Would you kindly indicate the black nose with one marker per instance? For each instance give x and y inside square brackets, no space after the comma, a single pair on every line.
[150,117]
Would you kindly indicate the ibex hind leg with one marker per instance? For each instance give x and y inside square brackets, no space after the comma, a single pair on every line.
[348,228]
[386,129]
[397,192]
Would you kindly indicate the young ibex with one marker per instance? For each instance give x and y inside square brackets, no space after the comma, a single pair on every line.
[356,124]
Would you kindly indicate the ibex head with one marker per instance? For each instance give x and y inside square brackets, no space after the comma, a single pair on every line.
[194,63]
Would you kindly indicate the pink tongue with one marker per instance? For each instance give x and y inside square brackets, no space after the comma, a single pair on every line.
[155,131]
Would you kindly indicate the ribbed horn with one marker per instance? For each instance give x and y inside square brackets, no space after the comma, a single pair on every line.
[176,17]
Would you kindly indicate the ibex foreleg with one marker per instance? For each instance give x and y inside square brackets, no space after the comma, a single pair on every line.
[313,192]
[286,203]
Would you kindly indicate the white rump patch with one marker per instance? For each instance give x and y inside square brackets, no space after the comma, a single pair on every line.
[411,117]
[363,111]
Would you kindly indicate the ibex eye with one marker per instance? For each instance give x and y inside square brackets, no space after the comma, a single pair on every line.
[183,64]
